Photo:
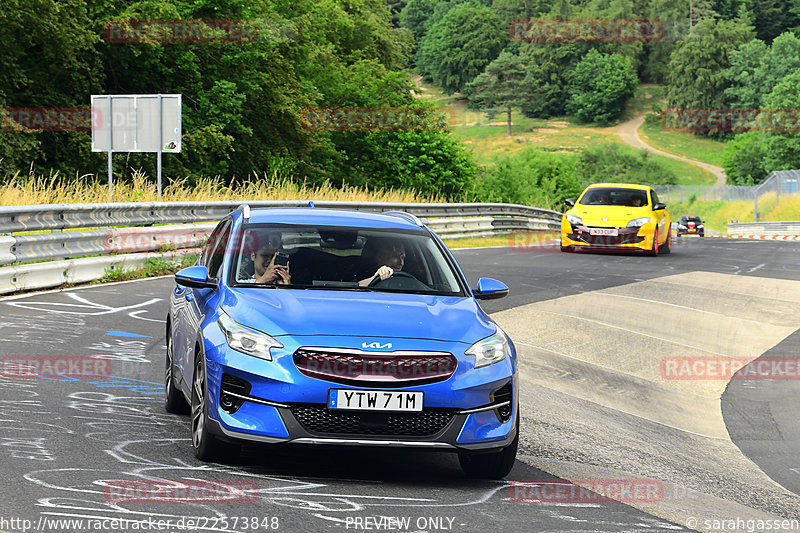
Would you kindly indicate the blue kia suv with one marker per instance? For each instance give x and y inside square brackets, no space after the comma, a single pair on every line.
[322,326]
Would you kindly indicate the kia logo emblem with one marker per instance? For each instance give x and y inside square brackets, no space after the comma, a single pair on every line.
[376,345]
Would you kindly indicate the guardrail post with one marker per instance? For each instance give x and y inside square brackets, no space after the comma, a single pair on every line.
[6,243]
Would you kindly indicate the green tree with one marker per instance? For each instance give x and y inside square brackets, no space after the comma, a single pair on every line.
[696,68]
[601,86]
[395,7]
[460,45]
[416,16]
[751,156]
[744,159]
[746,76]
[783,144]
[509,10]
[49,59]
[728,9]
[500,86]
[769,17]
[548,70]
[756,68]
[674,18]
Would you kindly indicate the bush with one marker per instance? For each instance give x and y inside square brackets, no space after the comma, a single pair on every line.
[530,177]
[743,159]
[427,162]
[608,163]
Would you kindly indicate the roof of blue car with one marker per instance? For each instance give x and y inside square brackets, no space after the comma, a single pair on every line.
[329,217]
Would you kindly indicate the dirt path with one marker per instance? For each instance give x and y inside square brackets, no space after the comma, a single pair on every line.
[629,133]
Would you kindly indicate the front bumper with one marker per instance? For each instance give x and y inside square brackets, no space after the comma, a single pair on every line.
[580,236]
[282,405]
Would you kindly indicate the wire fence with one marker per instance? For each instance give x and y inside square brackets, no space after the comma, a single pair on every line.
[780,183]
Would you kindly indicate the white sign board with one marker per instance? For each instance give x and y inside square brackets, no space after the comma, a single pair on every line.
[131,123]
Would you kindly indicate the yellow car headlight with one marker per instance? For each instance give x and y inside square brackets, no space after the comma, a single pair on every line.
[575,221]
[638,222]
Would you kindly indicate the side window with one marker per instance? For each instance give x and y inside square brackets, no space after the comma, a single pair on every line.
[653,197]
[214,254]
[210,242]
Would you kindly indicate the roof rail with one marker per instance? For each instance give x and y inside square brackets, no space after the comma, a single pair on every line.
[408,216]
[245,212]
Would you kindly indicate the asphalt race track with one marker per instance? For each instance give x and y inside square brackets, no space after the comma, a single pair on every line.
[591,331]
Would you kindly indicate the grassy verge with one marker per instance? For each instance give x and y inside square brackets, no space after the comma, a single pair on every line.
[477,242]
[153,267]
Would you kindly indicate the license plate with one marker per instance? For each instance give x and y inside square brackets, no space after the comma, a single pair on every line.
[375,400]
[604,231]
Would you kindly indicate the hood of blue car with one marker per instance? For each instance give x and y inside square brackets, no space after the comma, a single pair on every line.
[364,314]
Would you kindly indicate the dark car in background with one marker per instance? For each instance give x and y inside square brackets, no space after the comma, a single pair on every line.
[691,226]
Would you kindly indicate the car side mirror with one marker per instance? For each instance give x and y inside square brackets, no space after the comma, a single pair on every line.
[490,289]
[195,277]
[570,202]
[659,206]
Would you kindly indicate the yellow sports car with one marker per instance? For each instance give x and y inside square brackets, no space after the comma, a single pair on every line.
[617,216]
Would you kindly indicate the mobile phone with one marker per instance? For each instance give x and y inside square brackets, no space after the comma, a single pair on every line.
[281,259]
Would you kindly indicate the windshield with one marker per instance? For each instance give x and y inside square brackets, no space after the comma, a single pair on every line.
[285,256]
[614,196]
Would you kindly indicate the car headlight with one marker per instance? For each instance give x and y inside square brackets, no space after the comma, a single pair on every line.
[638,222]
[699,226]
[490,350]
[247,340]
[681,226]
[575,221]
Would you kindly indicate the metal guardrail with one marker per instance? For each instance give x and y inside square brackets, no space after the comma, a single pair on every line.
[63,245]
[187,225]
[72,216]
[764,228]
[448,220]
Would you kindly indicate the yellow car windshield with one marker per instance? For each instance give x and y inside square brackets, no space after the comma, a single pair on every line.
[614,196]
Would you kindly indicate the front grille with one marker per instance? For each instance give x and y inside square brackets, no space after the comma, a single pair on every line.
[391,369]
[429,422]
[626,236]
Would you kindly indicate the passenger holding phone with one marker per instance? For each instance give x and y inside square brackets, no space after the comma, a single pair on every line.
[271,264]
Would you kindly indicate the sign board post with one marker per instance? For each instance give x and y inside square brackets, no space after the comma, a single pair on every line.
[136,123]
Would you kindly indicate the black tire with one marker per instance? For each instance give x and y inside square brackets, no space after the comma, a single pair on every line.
[206,446]
[654,251]
[667,245]
[495,465]
[174,402]
[702,234]
[567,249]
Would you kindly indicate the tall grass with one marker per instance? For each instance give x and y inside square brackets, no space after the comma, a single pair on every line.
[29,189]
